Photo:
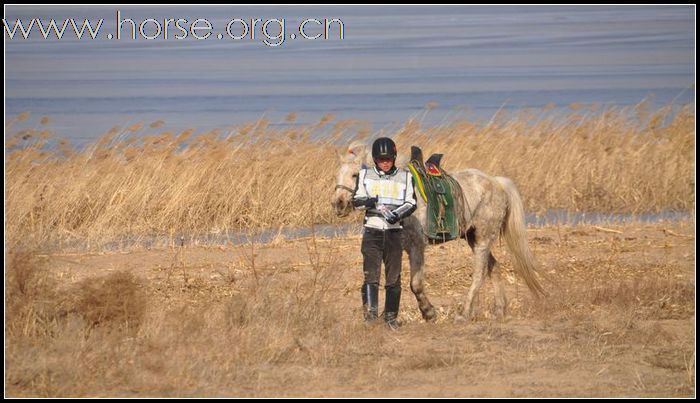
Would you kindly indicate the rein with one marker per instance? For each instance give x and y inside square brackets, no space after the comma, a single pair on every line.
[352,191]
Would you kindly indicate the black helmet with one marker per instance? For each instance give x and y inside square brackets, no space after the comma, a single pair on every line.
[384,147]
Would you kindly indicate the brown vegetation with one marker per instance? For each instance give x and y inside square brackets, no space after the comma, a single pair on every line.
[284,320]
[134,182]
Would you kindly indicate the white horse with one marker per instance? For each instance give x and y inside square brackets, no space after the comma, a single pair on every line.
[493,207]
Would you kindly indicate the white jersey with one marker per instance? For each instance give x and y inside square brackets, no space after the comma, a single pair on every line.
[394,190]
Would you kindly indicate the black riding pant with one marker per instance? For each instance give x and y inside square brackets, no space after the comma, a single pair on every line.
[382,246]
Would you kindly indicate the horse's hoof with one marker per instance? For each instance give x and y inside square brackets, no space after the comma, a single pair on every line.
[429,315]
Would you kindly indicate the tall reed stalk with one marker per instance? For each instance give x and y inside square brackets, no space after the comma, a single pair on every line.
[136,181]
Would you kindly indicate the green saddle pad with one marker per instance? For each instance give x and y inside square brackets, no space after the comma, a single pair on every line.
[439,191]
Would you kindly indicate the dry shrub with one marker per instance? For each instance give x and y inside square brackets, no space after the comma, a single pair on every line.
[110,339]
[32,302]
[114,300]
[68,341]
[24,275]
[35,303]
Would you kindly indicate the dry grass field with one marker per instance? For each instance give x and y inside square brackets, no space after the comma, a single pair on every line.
[283,318]
[140,180]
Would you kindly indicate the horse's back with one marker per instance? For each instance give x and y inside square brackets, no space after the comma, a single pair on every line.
[486,200]
[475,182]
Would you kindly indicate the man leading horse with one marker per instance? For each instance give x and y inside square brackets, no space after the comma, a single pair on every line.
[386,194]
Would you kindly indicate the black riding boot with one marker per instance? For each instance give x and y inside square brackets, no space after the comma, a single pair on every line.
[391,306]
[370,301]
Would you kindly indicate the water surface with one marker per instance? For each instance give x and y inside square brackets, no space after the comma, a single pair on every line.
[470,61]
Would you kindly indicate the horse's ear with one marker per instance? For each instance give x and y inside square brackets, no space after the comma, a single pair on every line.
[357,149]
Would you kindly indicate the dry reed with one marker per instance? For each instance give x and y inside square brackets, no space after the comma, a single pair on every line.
[133,183]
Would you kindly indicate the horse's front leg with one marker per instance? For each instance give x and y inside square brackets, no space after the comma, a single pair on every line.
[414,245]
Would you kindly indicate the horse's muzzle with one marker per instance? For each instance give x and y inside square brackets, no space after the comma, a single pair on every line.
[342,207]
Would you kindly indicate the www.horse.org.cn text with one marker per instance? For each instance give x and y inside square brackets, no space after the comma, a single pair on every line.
[271,31]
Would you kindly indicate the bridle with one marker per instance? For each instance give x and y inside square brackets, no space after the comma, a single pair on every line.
[348,188]
[352,191]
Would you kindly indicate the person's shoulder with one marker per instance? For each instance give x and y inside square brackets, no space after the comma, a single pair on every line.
[402,170]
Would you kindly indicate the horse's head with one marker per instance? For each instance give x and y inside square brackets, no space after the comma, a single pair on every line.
[350,163]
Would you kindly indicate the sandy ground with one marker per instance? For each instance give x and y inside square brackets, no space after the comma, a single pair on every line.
[619,320]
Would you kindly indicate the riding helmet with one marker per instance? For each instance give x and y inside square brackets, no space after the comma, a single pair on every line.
[384,147]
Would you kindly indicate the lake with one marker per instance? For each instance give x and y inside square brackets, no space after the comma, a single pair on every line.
[468,61]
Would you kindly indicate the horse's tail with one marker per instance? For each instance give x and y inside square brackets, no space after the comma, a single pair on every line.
[515,233]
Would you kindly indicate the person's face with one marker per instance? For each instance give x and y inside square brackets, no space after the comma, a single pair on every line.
[385,164]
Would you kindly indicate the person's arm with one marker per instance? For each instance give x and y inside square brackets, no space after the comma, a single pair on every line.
[360,199]
[409,205]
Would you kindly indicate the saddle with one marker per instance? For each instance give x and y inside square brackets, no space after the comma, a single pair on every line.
[442,194]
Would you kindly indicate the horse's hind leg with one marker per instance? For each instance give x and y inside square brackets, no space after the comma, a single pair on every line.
[481,255]
[494,272]
[484,263]
[415,247]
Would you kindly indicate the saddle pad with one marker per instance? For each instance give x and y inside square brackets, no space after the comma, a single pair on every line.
[442,218]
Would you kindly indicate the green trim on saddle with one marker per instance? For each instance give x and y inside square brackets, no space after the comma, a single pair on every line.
[441,192]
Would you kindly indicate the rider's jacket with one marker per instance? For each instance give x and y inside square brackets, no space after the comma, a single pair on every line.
[393,189]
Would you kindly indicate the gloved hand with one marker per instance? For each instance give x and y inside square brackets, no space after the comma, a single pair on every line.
[392,217]
[371,202]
